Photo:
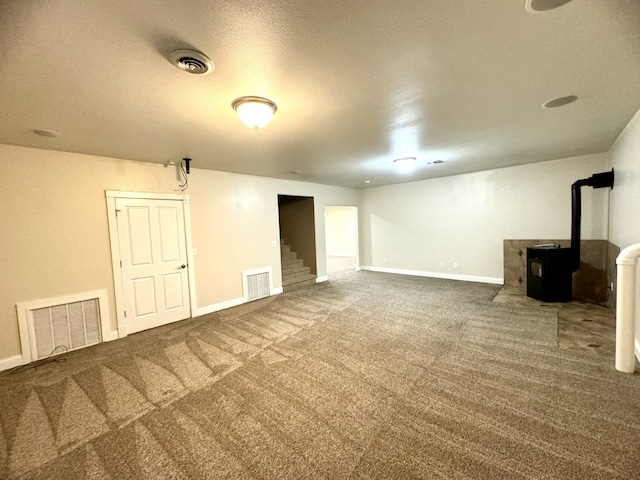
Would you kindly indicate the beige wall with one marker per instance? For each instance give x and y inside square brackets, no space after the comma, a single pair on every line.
[342,230]
[55,238]
[624,227]
[465,218]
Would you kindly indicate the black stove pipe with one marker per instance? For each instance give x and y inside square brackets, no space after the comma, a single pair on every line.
[597,180]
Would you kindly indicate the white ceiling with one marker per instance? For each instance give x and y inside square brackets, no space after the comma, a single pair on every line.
[357,83]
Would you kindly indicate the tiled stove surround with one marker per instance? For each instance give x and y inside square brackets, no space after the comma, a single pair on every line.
[590,283]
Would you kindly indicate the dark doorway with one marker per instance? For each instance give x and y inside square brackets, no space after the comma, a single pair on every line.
[298,227]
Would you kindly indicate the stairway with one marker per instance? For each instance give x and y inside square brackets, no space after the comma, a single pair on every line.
[294,273]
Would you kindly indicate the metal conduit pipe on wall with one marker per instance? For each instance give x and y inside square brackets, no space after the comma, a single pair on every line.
[627,263]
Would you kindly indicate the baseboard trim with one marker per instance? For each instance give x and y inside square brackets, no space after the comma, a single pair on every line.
[321,279]
[111,336]
[234,302]
[349,255]
[638,349]
[447,276]
[11,362]
[276,291]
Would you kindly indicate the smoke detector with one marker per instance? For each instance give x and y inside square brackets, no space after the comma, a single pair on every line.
[191,61]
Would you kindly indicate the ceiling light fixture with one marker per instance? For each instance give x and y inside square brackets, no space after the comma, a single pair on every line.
[405,164]
[560,101]
[537,6]
[47,133]
[254,112]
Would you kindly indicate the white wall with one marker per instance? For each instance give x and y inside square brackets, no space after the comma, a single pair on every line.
[342,230]
[624,229]
[55,237]
[465,218]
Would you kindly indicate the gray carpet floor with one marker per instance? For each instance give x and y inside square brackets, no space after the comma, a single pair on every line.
[369,375]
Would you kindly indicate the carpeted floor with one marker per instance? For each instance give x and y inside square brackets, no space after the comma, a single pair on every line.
[368,375]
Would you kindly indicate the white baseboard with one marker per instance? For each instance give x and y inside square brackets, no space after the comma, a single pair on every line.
[638,349]
[323,278]
[448,276]
[11,362]
[111,336]
[276,291]
[358,268]
[234,302]
[350,255]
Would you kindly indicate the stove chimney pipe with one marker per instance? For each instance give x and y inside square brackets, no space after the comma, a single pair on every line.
[597,180]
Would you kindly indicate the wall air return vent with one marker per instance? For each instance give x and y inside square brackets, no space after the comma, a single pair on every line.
[257,283]
[59,325]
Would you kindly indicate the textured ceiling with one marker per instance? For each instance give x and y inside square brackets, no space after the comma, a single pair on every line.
[357,83]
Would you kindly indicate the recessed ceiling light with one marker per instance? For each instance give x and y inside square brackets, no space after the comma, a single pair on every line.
[560,101]
[537,6]
[367,181]
[191,61]
[47,133]
[405,164]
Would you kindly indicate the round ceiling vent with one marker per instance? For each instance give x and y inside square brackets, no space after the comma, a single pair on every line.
[537,6]
[191,61]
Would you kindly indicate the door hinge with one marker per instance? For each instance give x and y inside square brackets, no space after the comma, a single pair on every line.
[117,212]
[125,314]
[120,263]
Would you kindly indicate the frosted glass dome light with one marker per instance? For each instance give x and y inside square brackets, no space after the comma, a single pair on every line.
[405,164]
[254,112]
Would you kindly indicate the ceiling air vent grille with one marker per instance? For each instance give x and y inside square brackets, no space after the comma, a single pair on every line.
[191,61]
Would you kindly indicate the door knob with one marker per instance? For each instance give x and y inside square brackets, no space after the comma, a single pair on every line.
[183,266]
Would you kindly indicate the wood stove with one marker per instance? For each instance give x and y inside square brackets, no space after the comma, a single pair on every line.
[550,267]
[549,273]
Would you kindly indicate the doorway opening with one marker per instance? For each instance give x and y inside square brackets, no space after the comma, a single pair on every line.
[297,241]
[341,234]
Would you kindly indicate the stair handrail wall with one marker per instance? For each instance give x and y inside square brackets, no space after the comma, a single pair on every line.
[627,263]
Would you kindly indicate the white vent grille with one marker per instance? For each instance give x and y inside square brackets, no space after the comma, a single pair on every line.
[257,284]
[57,325]
[62,328]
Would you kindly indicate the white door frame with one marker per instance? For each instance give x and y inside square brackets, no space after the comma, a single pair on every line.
[115,249]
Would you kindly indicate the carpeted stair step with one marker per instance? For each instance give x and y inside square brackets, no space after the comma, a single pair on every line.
[290,259]
[299,280]
[300,274]
[292,268]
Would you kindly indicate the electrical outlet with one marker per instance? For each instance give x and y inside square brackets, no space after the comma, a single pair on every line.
[274,243]
[611,286]
[442,264]
[455,264]
[386,259]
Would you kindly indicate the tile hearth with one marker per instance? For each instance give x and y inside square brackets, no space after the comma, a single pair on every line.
[581,325]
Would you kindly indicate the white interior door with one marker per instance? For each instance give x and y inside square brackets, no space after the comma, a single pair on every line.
[155,284]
